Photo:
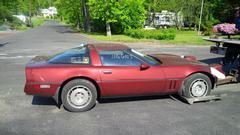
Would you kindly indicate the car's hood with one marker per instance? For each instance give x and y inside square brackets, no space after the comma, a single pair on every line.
[175,60]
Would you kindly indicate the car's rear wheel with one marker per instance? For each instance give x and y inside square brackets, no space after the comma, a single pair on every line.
[79,95]
[196,85]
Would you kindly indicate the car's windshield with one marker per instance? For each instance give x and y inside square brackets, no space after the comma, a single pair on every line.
[79,55]
[147,58]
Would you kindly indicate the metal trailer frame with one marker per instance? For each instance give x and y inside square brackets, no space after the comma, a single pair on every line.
[230,48]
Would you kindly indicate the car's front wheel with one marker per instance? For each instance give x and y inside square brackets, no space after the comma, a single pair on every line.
[79,95]
[196,85]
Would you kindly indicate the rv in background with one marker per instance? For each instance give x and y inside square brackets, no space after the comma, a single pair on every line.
[163,19]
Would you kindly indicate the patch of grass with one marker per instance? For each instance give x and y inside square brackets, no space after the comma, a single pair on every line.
[37,21]
[182,38]
[187,38]
[117,38]
[23,27]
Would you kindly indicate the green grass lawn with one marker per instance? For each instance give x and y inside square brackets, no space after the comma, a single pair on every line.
[182,38]
[187,38]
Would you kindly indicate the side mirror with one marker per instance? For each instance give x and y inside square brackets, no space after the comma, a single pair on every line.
[144,66]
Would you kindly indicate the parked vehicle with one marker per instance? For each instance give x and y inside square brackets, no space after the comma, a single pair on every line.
[163,19]
[80,76]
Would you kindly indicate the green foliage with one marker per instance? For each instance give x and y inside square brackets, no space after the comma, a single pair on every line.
[36,21]
[162,34]
[224,10]
[191,10]
[70,11]
[105,10]
[8,8]
[16,23]
[207,27]
[121,15]
[5,14]
[7,18]
[133,14]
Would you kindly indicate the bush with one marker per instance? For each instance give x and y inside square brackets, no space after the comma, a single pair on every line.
[8,19]
[162,34]
[37,21]
[16,23]
[207,27]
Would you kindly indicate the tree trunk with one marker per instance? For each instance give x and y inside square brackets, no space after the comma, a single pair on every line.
[178,25]
[30,13]
[78,21]
[86,16]
[190,25]
[108,29]
[153,20]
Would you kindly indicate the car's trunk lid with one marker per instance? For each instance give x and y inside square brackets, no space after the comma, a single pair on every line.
[38,61]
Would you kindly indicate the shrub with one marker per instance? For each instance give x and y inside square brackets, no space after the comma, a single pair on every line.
[161,34]
[37,21]
[225,28]
[207,27]
[16,23]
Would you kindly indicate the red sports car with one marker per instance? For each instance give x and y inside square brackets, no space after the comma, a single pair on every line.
[79,76]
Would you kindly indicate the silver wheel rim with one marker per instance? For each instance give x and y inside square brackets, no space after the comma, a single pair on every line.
[79,96]
[199,88]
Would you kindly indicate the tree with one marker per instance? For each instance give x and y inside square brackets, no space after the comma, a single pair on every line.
[86,16]
[105,10]
[191,11]
[75,12]
[133,14]
[71,11]
[124,14]
[224,10]
[152,6]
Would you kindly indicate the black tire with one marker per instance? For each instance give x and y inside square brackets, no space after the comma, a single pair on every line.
[79,90]
[191,85]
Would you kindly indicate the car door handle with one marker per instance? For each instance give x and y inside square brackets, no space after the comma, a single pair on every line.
[107,72]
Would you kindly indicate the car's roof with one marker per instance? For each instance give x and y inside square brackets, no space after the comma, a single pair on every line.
[109,46]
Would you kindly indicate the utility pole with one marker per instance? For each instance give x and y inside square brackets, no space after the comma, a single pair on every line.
[200,20]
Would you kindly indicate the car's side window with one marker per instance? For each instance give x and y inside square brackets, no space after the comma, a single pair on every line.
[73,56]
[118,58]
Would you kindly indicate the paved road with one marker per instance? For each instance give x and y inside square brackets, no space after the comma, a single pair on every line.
[25,115]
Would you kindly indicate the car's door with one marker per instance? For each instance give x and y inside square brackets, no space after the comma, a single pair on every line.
[121,75]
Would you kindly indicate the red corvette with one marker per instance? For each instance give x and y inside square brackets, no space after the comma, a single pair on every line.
[79,76]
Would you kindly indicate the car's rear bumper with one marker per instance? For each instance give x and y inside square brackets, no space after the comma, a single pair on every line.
[48,89]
